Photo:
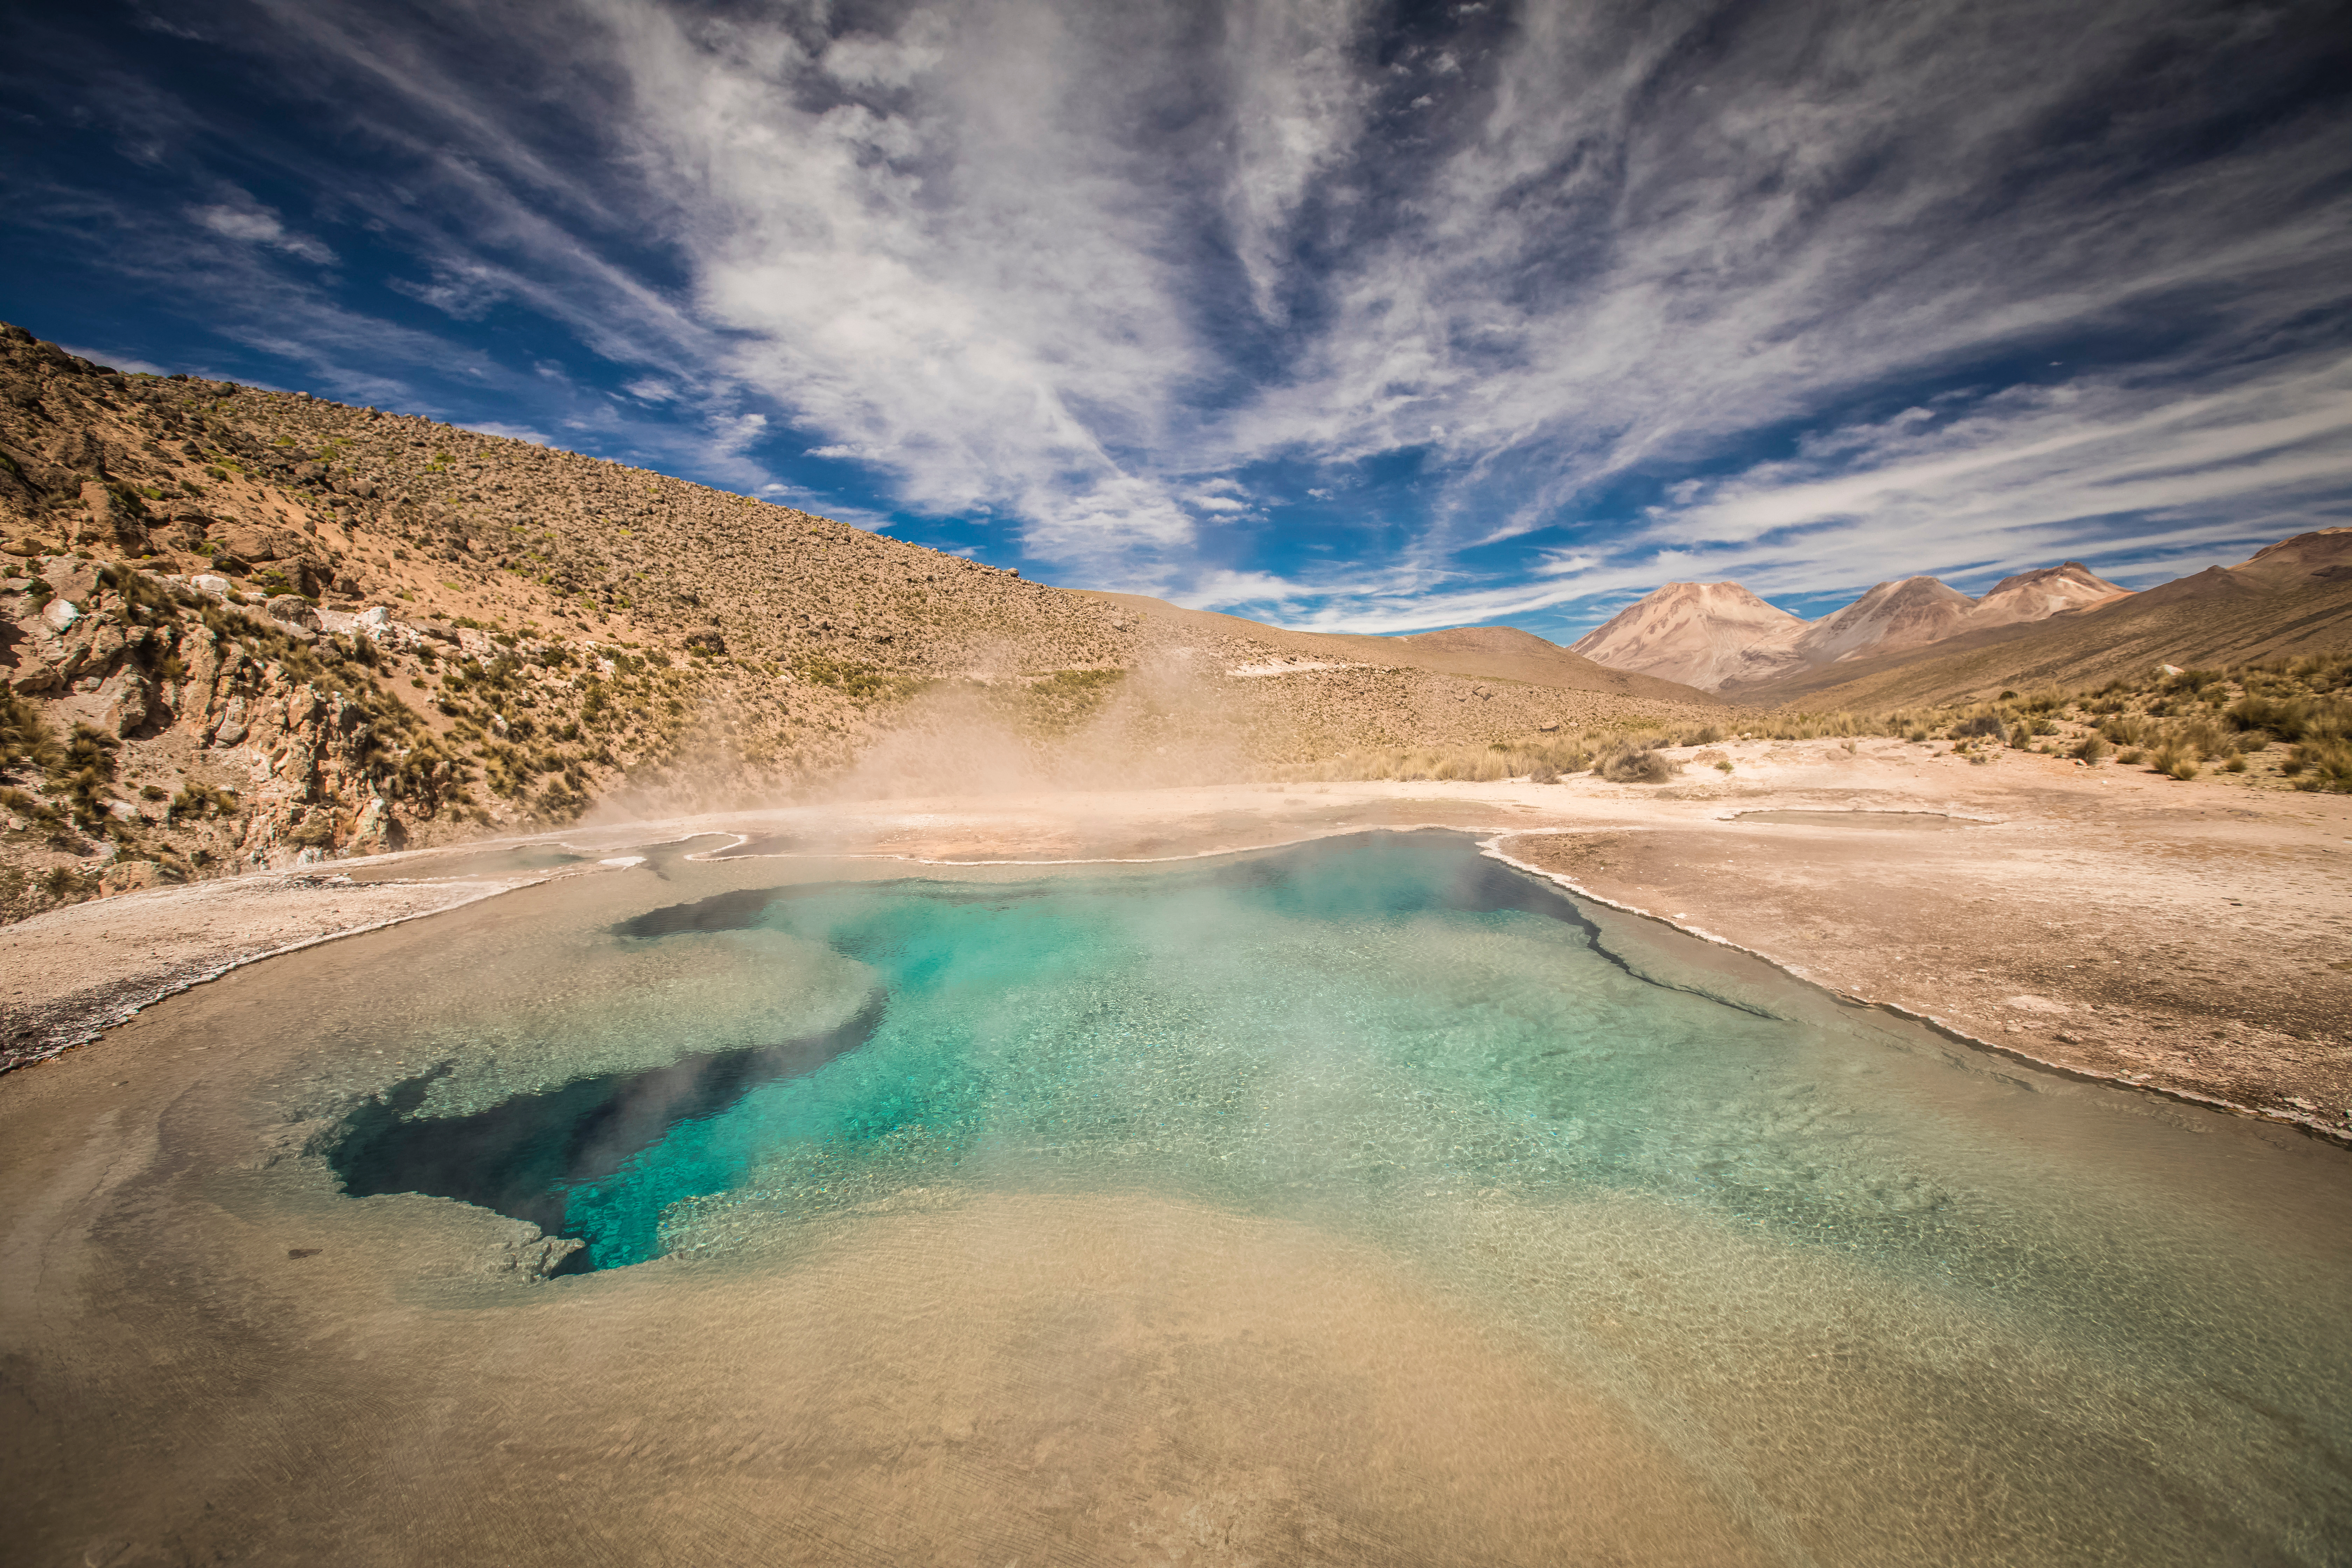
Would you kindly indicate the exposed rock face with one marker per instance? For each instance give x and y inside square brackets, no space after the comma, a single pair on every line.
[1706,635]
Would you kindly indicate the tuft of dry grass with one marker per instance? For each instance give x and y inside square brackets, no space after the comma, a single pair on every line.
[1637,765]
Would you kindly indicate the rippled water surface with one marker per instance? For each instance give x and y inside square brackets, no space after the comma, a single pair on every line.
[1873,1284]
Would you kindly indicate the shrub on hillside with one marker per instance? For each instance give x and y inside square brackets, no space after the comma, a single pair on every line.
[1985,724]
[25,740]
[2324,765]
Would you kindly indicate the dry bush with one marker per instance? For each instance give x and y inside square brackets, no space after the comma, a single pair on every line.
[1637,765]
[2324,765]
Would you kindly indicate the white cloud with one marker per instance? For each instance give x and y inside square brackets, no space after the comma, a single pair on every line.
[129,365]
[247,220]
[1075,266]
[511,432]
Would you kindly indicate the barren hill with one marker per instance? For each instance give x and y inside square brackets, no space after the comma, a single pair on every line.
[249,627]
[1706,635]
[2037,595]
[1891,616]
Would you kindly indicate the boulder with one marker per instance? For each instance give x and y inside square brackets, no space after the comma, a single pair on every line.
[294,614]
[207,583]
[376,831]
[130,700]
[38,679]
[310,576]
[234,723]
[60,615]
[248,544]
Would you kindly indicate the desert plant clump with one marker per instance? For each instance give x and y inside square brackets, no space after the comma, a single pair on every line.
[63,885]
[25,740]
[1636,763]
[2322,766]
[1981,725]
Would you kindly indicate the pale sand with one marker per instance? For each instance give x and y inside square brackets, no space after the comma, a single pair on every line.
[2190,938]
[75,972]
[212,1352]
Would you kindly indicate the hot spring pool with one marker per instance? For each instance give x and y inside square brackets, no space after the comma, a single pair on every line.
[1895,1301]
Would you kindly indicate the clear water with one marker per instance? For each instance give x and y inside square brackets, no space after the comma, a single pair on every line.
[1818,1246]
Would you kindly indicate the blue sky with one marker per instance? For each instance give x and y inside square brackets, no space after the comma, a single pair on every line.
[1348,316]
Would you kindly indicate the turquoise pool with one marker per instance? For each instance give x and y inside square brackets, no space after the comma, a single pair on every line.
[1831,1257]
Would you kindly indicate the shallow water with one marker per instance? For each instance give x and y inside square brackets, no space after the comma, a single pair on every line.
[1874,1286]
[469,863]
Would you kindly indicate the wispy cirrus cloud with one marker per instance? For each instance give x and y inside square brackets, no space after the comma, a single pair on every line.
[245,220]
[1527,306]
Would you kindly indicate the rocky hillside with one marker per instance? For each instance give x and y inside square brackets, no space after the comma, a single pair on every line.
[247,627]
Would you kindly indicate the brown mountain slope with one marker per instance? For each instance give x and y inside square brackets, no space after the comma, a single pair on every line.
[1506,653]
[2293,597]
[1706,635]
[1891,616]
[1476,653]
[2039,595]
[245,629]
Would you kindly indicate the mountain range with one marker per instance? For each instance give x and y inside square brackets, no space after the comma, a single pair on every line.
[1920,641]
[1718,636]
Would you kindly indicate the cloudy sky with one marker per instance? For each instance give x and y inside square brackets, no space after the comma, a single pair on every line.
[1345,315]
